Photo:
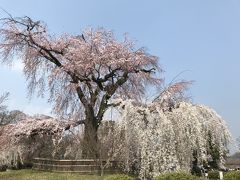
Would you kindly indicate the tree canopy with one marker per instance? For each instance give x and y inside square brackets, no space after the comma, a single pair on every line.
[82,72]
[93,65]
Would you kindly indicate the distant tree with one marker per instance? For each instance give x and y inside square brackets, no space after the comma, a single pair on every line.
[238,142]
[9,117]
[83,73]
[3,99]
[6,116]
[2,108]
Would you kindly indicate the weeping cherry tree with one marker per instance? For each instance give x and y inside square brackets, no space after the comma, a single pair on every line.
[169,134]
[81,73]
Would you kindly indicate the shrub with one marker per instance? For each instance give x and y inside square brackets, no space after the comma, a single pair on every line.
[3,168]
[213,175]
[119,177]
[234,175]
[177,176]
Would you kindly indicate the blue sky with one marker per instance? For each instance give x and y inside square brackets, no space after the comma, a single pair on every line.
[200,36]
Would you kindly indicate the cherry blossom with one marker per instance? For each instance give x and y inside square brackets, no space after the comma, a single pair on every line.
[82,72]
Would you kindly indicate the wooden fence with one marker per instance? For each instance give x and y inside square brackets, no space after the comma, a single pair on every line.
[84,166]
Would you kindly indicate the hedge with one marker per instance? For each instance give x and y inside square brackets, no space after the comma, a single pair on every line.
[213,175]
[119,177]
[177,176]
[233,175]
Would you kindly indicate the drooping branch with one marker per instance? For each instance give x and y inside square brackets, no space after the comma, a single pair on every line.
[34,126]
[73,124]
[173,94]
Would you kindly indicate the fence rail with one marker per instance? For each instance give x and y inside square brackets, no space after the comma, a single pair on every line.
[84,166]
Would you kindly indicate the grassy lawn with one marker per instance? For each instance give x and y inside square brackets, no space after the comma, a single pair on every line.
[28,174]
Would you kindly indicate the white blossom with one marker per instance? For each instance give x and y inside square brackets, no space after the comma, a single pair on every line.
[158,141]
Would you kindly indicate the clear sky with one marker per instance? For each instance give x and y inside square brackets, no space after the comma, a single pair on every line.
[202,36]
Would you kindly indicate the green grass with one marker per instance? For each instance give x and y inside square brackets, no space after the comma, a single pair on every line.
[28,174]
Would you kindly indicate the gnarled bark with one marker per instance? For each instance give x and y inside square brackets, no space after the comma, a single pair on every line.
[90,139]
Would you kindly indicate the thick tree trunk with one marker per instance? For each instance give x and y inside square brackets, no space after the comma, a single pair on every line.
[90,139]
